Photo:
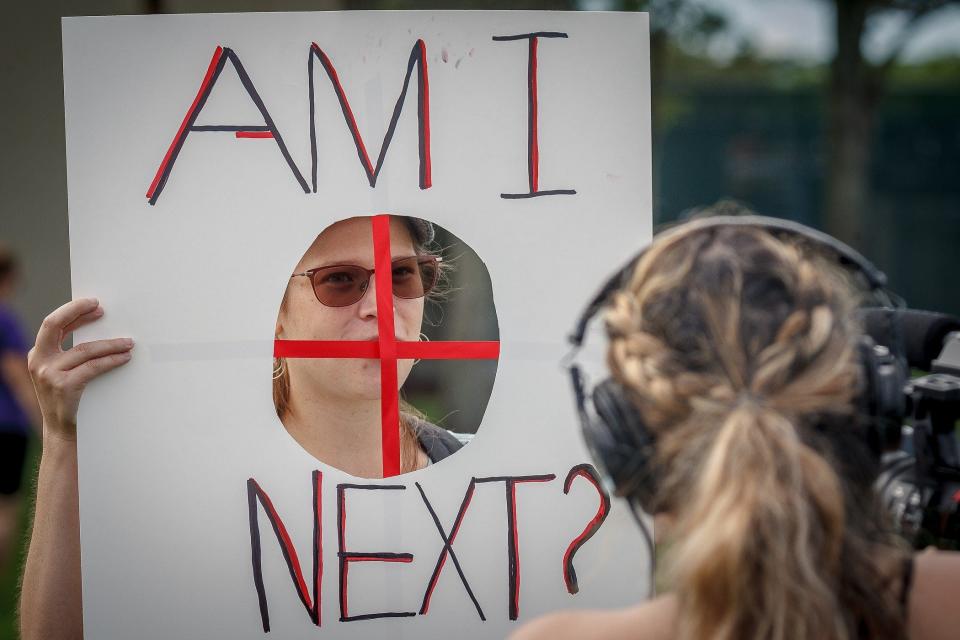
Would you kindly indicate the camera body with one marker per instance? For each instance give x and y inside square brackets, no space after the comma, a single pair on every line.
[919,480]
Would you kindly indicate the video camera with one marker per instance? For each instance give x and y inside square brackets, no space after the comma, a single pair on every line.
[919,479]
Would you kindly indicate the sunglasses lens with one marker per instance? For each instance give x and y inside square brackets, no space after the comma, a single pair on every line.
[339,286]
[342,286]
[414,277]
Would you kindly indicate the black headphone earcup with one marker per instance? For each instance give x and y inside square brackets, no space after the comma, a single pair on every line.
[882,401]
[621,442]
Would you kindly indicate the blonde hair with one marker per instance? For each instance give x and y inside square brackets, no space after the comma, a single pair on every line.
[740,352]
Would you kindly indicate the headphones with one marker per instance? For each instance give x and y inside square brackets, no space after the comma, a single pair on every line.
[613,428]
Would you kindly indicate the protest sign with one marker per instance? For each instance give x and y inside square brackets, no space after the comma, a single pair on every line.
[205,155]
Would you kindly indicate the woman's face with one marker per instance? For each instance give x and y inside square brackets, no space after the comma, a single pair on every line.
[302,317]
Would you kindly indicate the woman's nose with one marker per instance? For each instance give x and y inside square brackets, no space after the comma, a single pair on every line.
[367,307]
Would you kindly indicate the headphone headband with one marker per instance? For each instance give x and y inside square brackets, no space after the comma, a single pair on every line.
[846,255]
[613,426]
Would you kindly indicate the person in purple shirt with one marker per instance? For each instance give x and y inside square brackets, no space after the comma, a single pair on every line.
[18,408]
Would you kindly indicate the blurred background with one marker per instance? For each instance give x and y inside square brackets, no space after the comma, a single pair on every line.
[454,393]
[841,114]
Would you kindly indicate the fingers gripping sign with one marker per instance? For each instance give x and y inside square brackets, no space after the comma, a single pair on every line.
[60,375]
[52,569]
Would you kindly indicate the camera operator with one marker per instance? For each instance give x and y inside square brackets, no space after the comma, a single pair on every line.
[737,352]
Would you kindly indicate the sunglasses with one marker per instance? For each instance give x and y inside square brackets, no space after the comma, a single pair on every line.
[342,285]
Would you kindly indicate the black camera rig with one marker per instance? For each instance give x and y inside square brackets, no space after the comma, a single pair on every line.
[919,480]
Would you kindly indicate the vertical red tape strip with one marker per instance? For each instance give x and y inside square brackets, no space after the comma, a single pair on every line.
[389,393]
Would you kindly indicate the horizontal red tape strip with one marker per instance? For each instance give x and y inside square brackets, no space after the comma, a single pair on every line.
[450,350]
[446,350]
[326,349]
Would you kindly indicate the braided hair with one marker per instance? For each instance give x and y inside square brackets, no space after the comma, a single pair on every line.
[739,350]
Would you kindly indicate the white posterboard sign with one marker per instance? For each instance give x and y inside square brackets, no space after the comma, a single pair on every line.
[205,153]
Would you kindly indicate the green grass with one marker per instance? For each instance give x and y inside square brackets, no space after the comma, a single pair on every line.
[10,580]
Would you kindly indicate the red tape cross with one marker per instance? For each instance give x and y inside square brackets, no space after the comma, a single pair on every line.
[387,349]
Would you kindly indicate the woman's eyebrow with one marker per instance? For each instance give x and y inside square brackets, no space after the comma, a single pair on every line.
[355,262]
[342,262]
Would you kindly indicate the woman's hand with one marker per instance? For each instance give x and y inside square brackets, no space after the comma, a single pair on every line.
[59,376]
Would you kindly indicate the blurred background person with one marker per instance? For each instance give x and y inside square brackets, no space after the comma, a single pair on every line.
[18,408]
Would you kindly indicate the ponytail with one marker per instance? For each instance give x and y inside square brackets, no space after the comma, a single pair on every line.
[761,537]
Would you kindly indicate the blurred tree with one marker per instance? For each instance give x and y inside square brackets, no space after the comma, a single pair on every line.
[680,30]
[687,25]
[855,88]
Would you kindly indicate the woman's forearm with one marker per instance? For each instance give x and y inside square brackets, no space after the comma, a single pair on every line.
[50,598]
[50,604]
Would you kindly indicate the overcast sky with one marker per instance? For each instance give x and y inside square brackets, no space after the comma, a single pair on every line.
[804,29]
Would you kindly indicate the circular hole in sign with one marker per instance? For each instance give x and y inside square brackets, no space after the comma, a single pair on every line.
[373,399]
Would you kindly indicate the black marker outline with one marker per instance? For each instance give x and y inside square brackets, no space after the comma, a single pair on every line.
[537,194]
[589,472]
[221,56]
[418,58]
[534,34]
[448,549]
[346,557]
[256,494]
[533,137]
[513,556]
[229,127]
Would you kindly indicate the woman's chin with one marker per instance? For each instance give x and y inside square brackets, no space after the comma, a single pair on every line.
[356,380]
